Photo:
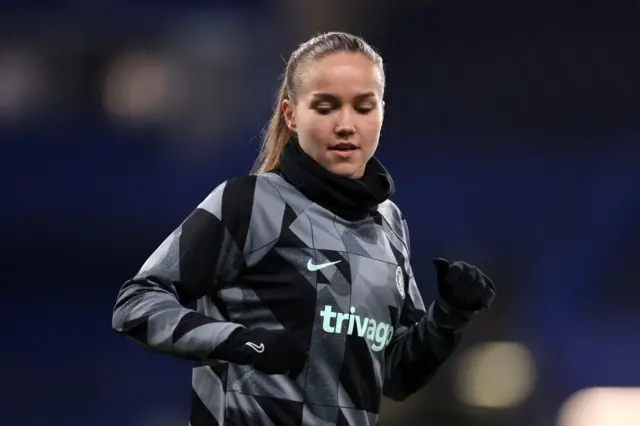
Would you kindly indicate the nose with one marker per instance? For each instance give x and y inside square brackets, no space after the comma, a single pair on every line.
[344,132]
[345,126]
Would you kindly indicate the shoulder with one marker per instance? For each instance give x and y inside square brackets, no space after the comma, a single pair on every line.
[394,219]
[251,208]
[241,194]
[390,211]
[235,195]
[392,215]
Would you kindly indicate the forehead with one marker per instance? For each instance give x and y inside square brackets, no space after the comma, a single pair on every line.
[341,74]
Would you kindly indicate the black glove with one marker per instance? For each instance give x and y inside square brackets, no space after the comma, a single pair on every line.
[268,351]
[463,286]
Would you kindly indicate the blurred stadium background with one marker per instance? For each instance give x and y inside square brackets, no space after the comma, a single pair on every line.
[512,132]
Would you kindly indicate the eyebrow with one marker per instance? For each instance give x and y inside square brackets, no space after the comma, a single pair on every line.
[360,96]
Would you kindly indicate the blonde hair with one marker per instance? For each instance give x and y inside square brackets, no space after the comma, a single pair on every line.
[277,133]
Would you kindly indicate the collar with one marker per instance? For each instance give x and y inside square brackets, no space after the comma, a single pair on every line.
[351,199]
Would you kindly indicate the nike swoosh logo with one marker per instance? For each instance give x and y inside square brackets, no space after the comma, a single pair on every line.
[312,267]
[258,348]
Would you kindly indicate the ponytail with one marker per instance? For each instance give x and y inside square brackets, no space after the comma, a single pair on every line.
[275,136]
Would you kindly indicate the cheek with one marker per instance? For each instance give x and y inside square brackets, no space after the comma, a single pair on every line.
[371,130]
[315,129]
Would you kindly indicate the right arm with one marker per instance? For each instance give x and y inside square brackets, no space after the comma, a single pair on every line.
[206,248]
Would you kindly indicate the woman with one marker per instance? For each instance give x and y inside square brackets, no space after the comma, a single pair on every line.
[307,311]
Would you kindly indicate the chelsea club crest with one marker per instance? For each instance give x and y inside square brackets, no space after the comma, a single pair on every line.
[400,281]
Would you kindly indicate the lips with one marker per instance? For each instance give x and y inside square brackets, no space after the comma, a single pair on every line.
[343,146]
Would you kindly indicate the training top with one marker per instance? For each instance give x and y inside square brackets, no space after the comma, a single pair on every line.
[258,253]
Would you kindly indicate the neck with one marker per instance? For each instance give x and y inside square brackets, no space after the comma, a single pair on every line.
[350,198]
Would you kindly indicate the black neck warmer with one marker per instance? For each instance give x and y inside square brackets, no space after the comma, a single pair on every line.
[351,199]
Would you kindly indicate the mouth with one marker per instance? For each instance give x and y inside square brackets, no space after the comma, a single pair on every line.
[343,147]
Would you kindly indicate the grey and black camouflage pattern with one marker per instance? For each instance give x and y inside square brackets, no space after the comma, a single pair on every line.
[248,255]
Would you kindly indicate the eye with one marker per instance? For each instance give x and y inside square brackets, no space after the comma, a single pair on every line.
[324,108]
[364,109]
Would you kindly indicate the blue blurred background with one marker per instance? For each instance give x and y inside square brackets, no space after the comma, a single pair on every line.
[511,130]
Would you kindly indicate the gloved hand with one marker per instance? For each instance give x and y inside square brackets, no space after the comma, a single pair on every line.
[463,286]
[268,351]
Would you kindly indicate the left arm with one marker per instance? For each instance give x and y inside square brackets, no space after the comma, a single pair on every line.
[423,341]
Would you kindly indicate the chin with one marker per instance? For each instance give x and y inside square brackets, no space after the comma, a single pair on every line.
[347,170]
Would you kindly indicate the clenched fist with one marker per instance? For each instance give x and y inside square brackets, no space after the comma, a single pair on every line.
[463,286]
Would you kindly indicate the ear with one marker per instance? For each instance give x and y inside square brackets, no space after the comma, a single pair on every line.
[288,111]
